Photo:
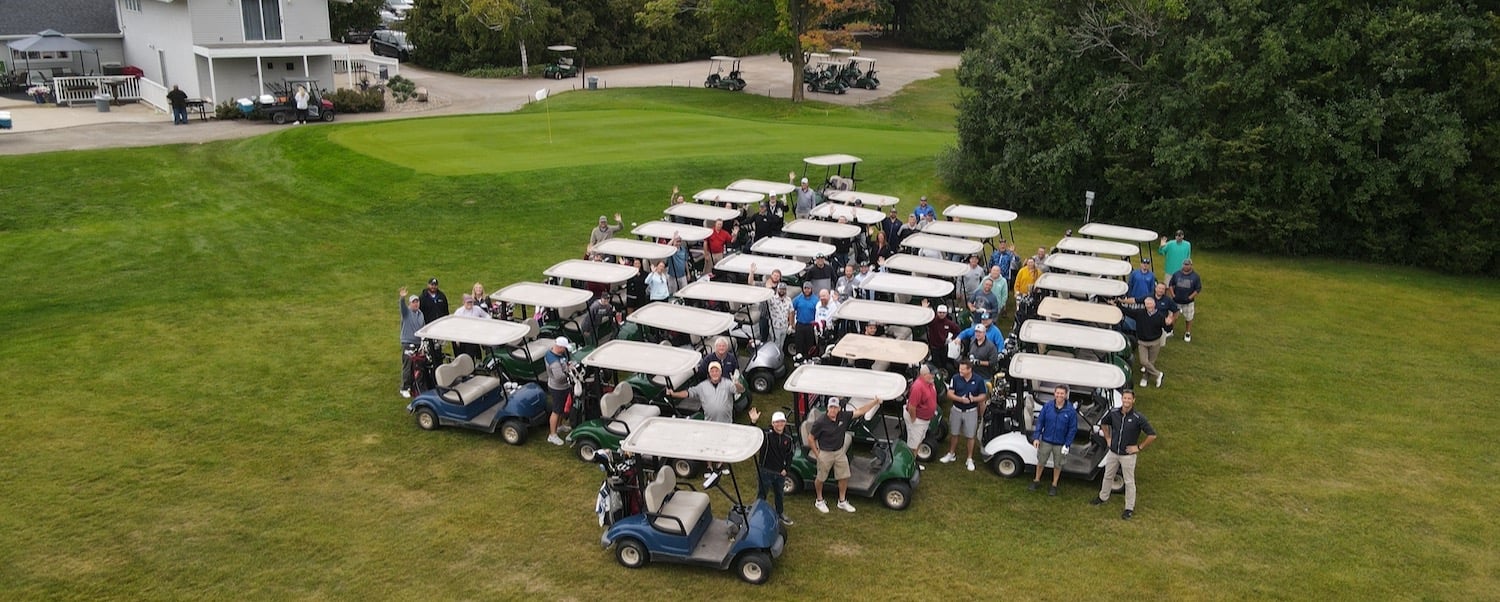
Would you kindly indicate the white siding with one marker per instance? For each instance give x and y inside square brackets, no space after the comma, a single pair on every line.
[305,21]
[161,27]
[219,21]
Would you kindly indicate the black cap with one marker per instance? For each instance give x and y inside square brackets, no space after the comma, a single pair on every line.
[432,281]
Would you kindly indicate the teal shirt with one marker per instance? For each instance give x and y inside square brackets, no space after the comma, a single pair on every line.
[1173,253]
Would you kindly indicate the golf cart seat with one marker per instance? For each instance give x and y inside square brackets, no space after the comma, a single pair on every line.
[813,416]
[677,380]
[534,348]
[623,415]
[900,333]
[674,511]
[458,383]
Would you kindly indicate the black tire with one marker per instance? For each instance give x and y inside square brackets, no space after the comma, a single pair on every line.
[631,553]
[753,567]
[684,469]
[762,380]
[586,448]
[326,116]
[278,118]
[791,485]
[896,495]
[1007,465]
[1118,485]
[925,451]
[426,419]
[810,88]
[513,431]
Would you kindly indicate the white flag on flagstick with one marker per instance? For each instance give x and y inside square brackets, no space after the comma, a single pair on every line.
[541,94]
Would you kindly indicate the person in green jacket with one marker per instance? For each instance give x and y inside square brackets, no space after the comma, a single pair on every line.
[1174,252]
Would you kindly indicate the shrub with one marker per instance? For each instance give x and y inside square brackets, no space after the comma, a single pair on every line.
[228,110]
[493,72]
[402,89]
[371,100]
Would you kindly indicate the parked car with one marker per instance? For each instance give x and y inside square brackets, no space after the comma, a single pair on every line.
[356,35]
[386,42]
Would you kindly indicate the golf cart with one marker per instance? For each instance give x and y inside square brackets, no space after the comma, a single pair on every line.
[865,199]
[765,187]
[739,198]
[478,397]
[620,410]
[942,245]
[1094,384]
[884,352]
[732,82]
[592,329]
[1095,246]
[562,64]
[983,214]
[1140,236]
[684,327]
[705,214]
[889,472]
[931,267]
[739,265]
[1073,310]
[1083,286]
[900,319]
[551,305]
[1089,266]
[679,525]
[863,69]
[1082,342]
[791,247]
[849,240]
[643,250]
[834,211]
[824,74]
[833,171]
[284,105]
[748,304]
[902,288]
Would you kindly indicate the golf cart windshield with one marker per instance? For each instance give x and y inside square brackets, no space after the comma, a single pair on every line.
[683,319]
[725,292]
[719,195]
[926,266]
[855,347]
[812,227]
[868,199]
[643,358]
[1057,308]
[815,379]
[694,440]
[476,331]
[638,249]
[707,213]
[943,244]
[853,214]
[983,214]
[1096,246]
[901,284]
[666,230]
[542,295]
[740,263]
[1081,285]
[900,314]
[962,230]
[761,187]
[790,247]
[1112,231]
[1066,371]
[1083,264]
[591,271]
[1043,332]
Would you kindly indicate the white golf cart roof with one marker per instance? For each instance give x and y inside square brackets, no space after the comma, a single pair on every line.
[962,230]
[1066,371]
[884,312]
[983,214]
[698,440]
[638,249]
[902,284]
[476,331]
[561,48]
[1096,246]
[1084,264]
[862,59]
[537,294]
[681,318]
[719,195]
[817,56]
[831,160]
[842,53]
[1081,285]
[761,186]
[926,266]
[856,346]
[725,292]
[1117,232]
[643,358]
[721,57]
[739,263]
[665,230]
[868,199]
[853,214]
[1057,308]
[944,244]
[1043,332]
[581,270]
[790,247]
[815,379]
[707,213]
[813,227]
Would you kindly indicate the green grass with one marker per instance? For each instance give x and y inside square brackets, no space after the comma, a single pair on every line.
[200,352]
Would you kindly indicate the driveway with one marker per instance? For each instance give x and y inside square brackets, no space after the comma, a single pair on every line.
[47,128]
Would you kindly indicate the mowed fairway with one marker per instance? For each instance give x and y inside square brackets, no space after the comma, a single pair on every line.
[201,357]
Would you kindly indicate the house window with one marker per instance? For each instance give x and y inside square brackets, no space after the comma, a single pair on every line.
[262,19]
[134,5]
[46,55]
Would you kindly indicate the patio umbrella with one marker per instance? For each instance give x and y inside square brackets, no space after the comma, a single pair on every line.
[52,40]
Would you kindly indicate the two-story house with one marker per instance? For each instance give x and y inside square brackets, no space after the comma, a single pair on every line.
[89,21]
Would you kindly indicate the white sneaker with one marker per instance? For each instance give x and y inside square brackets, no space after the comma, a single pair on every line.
[1143,382]
[554,439]
[1159,376]
[948,458]
[969,464]
[846,506]
[822,507]
[404,393]
[1187,338]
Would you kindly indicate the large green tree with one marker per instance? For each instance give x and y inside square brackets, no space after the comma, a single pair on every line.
[1335,127]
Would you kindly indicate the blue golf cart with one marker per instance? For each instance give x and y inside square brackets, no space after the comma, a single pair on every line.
[476,397]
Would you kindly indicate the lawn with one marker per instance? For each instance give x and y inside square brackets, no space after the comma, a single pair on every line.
[201,352]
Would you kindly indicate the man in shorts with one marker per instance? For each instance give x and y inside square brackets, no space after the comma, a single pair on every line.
[1055,426]
[1185,285]
[828,450]
[921,407]
[968,395]
[559,384]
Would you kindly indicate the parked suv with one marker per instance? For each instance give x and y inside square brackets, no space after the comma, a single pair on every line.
[390,43]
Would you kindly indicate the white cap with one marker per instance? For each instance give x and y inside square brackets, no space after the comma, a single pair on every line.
[804,180]
[563,342]
[778,417]
[942,309]
[833,402]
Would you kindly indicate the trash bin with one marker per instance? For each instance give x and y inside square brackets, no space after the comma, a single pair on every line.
[593,83]
[385,73]
[4,120]
[101,101]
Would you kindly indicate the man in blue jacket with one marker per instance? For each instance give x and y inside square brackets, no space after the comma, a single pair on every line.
[1142,281]
[1055,426]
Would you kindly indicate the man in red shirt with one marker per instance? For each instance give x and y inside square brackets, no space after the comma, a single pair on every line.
[715,243]
[921,406]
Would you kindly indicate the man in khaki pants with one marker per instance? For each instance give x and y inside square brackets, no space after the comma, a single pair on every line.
[1122,428]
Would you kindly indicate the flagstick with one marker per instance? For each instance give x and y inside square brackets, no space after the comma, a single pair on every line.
[548,103]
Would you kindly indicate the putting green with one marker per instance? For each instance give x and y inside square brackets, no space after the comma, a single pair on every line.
[487,144]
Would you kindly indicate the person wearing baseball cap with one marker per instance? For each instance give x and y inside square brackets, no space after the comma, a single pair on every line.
[827,447]
[806,199]
[775,460]
[924,211]
[434,302]
[559,384]
[940,331]
[603,232]
[411,321]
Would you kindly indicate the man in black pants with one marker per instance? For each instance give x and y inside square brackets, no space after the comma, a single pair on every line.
[775,461]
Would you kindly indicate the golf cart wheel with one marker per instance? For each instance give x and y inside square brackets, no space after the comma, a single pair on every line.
[924,451]
[631,553]
[513,432]
[426,419]
[896,495]
[753,567]
[327,116]
[586,448]
[1118,484]
[278,118]
[761,381]
[684,468]
[1008,465]
[791,485]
